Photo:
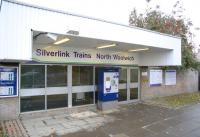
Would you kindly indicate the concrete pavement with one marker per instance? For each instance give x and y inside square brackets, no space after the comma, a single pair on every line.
[65,123]
[134,120]
[149,121]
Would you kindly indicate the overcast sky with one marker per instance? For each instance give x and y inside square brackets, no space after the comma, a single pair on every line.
[119,10]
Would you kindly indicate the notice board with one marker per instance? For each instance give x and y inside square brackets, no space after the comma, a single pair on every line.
[155,77]
[8,82]
[108,83]
[170,77]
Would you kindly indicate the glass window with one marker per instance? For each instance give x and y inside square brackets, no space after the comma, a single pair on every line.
[122,75]
[82,75]
[32,76]
[96,97]
[96,83]
[56,76]
[57,101]
[96,75]
[134,75]
[82,98]
[122,95]
[32,103]
[134,93]
[75,75]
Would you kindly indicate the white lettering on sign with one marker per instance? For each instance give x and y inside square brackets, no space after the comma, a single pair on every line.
[6,76]
[6,90]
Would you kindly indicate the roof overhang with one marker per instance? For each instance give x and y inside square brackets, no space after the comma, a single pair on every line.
[84,32]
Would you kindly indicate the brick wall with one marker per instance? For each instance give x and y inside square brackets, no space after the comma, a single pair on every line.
[9,108]
[186,82]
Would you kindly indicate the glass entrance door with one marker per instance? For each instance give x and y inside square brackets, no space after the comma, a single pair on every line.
[128,84]
[133,85]
[83,87]
[122,84]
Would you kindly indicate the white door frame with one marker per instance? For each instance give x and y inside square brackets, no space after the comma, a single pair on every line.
[131,85]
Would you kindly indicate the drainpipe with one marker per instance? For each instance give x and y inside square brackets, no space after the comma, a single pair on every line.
[0,4]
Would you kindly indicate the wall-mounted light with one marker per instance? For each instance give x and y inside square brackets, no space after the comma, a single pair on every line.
[106,46]
[73,32]
[61,41]
[52,36]
[133,50]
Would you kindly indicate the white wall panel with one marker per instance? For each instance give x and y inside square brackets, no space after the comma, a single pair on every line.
[16,22]
[77,89]
[32,92]
[15,36]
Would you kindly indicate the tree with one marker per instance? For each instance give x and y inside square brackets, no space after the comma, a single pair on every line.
[173,24]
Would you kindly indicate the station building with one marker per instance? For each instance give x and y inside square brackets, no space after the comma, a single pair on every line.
[53,58]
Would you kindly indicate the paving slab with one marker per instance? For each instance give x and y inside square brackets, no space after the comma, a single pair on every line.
[64,123]
[13,128]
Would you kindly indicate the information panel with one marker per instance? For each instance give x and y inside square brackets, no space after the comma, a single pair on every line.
[155,78]
[108,84]
[8,82]
[170,77]
[111,81]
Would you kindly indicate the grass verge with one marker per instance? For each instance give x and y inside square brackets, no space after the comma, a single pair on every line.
[2,134]
[180,100]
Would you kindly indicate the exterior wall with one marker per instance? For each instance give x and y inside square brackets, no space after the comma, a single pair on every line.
[186,82]
[16,38]
[27,18]
[159,58]
[9,108]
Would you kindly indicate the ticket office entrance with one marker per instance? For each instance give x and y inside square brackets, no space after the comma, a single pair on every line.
[128,84]
[50,86]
